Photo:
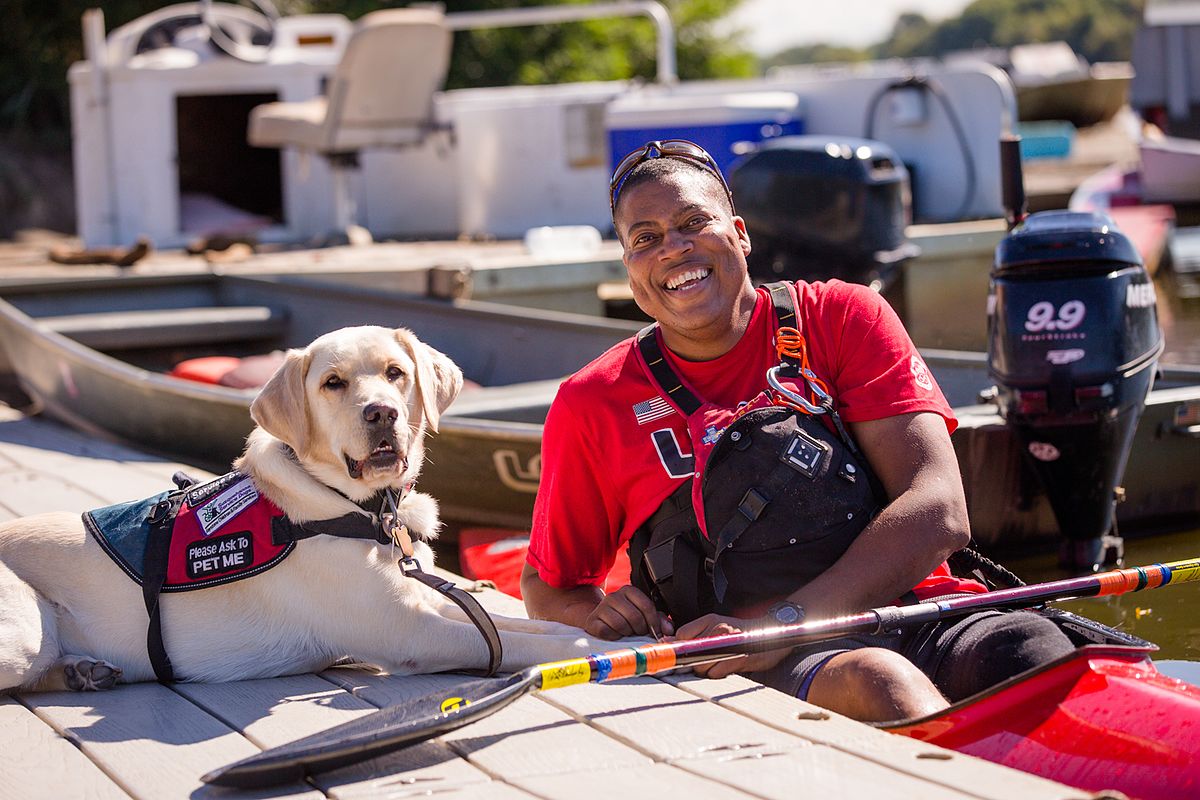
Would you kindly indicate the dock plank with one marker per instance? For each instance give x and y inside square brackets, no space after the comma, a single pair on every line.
[152,742]
[527,738]
[680,736]
[391,789]
[66,474]
[899,753]
[667,723]
[279,710]
[821,771]
[275,711]
[38,764]
[25,492]
[649,780]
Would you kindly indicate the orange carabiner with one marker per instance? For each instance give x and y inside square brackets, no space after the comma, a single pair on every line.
[789,343]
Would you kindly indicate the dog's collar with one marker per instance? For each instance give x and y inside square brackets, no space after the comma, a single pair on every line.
[378,520]
[374,504]
[348,526]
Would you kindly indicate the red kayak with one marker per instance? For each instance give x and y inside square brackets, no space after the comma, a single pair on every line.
[1100,718]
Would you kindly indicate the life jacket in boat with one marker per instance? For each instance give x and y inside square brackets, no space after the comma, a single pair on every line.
[776,498]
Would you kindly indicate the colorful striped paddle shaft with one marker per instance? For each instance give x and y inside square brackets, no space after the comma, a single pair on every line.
[651,659]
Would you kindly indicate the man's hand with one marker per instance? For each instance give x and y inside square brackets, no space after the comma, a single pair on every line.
[717,625]
[627,612]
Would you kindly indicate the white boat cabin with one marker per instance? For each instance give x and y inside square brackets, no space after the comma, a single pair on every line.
[161,119]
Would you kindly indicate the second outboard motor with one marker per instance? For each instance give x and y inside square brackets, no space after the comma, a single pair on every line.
[824,207]
[1073,345]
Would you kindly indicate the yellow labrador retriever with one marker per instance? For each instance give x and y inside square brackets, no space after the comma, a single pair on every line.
[340,421]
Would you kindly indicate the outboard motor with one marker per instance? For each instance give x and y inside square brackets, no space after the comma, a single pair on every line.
[1073,346]
[821,207]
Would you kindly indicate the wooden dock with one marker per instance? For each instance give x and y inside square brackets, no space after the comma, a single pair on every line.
[674,737]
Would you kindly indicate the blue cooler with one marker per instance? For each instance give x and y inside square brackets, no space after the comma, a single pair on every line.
[716,122]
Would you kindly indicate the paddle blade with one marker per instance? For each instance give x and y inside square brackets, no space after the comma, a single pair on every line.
[376,734]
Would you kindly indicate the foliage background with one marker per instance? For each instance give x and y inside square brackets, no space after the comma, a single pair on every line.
[39,40]
[1099,30]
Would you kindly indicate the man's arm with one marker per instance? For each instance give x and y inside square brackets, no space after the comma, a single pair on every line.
[544,601]
[923,524]
[625,612]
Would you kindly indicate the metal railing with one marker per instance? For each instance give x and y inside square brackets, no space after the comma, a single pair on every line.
[539,15]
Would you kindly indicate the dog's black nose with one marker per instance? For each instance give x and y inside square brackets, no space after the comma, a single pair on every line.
[379,414]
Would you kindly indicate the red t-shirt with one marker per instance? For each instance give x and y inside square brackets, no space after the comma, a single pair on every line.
[611,452]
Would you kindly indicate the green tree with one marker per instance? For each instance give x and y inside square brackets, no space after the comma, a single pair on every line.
[40,40]
[597,49]
[908,34]
[816,54]
[1099,30]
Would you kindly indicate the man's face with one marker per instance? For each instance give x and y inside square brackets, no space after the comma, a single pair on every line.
[685,254]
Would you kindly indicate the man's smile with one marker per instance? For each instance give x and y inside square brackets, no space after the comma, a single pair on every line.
[688,279]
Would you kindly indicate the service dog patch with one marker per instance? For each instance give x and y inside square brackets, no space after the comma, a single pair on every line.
[225,506]
[221,532]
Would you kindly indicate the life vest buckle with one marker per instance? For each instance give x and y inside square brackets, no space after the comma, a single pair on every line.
[160,511]
[798,401]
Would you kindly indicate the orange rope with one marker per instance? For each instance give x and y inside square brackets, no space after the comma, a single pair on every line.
[790,343]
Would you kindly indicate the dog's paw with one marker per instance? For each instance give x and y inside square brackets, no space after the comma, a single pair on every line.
[420,512]
[83,674]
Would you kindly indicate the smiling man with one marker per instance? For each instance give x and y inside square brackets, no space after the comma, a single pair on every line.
[642,444]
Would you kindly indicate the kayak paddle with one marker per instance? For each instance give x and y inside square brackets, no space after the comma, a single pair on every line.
[398,726]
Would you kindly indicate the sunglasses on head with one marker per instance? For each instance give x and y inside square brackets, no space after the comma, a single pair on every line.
[666,148]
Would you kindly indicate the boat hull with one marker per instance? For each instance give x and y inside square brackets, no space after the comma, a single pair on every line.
[1102,719]
[483,468]
[484,465]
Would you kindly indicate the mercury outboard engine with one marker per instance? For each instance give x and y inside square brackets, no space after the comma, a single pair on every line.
[1073,345]
[821,207]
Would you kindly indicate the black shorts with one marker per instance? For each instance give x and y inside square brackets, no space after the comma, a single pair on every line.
[961,656]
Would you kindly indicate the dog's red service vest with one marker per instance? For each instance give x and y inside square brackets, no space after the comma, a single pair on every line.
[219,532]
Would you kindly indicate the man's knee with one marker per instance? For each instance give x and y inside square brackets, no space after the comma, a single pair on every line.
[874,685]
[996,648]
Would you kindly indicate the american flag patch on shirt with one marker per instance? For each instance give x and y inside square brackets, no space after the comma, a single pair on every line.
[652,409]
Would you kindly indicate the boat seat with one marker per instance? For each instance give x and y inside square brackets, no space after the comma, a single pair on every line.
[380,96]
[128,330]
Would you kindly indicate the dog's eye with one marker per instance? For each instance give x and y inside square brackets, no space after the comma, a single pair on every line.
[394,373]
[334,382]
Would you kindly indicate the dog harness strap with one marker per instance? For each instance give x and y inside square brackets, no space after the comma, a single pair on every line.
[348,526]
[158,550]
[471,607]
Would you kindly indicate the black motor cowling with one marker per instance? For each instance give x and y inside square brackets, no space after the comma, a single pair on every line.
[821,207]
[1073,345]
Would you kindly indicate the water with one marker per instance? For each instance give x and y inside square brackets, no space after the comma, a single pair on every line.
[1179,315]
[1165,616]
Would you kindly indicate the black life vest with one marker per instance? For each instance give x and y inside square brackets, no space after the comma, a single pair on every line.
[781,497]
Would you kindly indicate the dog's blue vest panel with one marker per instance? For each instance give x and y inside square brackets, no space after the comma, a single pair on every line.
[122,531]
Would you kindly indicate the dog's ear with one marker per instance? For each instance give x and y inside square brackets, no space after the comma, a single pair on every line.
[280,408]
[439,380]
